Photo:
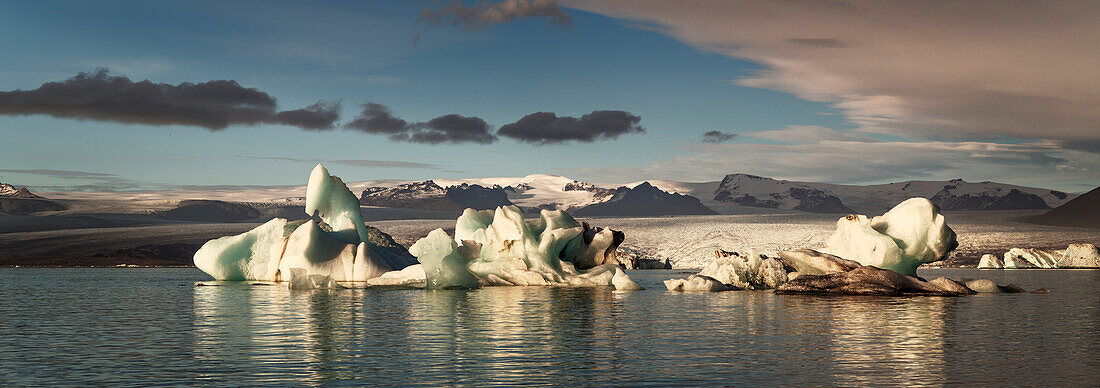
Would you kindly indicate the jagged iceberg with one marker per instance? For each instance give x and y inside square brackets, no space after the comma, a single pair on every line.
[334,246]
[499,248]
[1074,256]
[912,233]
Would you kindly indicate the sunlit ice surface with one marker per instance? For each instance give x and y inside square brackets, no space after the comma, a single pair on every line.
[155,326]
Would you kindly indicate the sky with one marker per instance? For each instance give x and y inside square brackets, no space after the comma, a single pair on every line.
[119,95]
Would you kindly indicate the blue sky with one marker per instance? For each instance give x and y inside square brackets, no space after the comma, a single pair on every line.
[680,85]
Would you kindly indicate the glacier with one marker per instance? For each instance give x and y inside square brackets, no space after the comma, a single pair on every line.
[499,248]
[333,246]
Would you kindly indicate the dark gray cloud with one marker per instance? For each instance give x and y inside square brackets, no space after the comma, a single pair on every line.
[213,105]
[486,14]
[452,128]
[548,128]
[716,137]
[320,116]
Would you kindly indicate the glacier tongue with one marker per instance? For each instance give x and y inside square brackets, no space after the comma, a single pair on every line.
[335,247]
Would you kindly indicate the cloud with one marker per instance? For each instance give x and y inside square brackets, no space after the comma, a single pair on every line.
[98,181]
[452,128]
[486,14]
[548,128]
[1040,164]
[809,134]
[352,162]
[716,137]
[320,116]
[213,105]
[980,70]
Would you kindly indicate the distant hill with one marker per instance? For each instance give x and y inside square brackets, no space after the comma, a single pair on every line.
[1083,211]
[645,200]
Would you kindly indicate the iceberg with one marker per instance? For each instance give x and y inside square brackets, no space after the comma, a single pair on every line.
[734,272]
[499,248]
[1074,256]
[912,233]
[696,283]
[870,280]
[1080,256]
[990,261]
[333,246]
[1030,258]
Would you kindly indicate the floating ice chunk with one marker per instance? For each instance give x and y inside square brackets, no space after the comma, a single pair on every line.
[411,276]
[749,272]
[1080,256]
[870,280]
[912,233]
[624,283]
[499,248]
[443,261]
[367,265]
[338,245]
[1031,258]
[300,279]
[989,261]
[700,283]
[811,262]
[246,256]
[330,198]
[983,286]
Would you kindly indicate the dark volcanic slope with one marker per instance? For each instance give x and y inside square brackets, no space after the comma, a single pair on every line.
[644,200]
[24,206]
[210,211]
[1083,211]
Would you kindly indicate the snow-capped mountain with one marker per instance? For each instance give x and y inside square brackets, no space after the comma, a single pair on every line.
[645,200]
[532,193]
[9,191]
[427,195]
[736,192]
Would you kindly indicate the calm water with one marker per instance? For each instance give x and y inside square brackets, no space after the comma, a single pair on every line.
[154,327]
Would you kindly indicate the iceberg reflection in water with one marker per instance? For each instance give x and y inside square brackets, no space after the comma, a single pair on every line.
[155,327]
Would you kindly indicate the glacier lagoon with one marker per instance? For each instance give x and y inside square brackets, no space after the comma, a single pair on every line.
[147,326]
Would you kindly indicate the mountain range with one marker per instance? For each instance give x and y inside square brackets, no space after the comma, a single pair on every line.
[734,194]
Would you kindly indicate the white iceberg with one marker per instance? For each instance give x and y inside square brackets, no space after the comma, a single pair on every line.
[334,247]
[751,272]
[696,283]
[912,233]
[498,248]
[1074,256]
[1030,258]
[1080,256]
[989,261]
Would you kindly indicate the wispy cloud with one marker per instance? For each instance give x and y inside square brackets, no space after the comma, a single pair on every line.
[486,14]
[974,70]
[352,162]
[93,181]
